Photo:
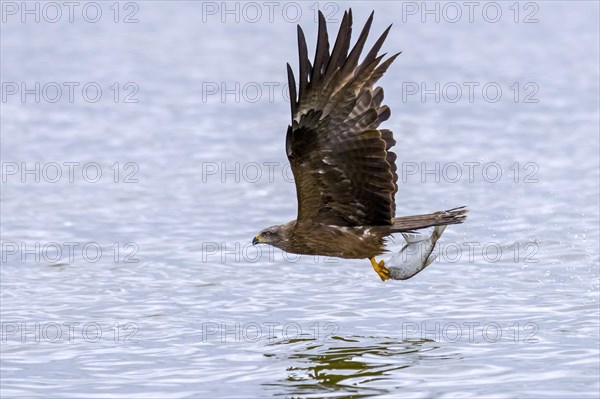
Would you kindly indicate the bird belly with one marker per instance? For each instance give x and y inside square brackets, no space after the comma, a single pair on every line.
[342,242]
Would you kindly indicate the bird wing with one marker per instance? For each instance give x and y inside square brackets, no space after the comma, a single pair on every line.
[344,171]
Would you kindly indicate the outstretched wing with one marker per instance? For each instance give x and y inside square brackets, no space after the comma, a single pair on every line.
[344,170]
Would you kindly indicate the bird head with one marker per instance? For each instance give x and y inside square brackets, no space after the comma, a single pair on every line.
[273,235]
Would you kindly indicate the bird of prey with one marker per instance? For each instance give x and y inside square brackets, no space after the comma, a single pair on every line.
[344,170]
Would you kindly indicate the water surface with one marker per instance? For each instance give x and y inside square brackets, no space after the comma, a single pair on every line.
[179,304]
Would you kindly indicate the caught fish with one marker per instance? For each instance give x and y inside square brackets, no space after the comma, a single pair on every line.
[415,256]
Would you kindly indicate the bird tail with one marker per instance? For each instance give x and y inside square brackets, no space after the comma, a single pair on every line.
[416,222]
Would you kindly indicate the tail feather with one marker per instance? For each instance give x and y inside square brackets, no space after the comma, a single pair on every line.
[416,222]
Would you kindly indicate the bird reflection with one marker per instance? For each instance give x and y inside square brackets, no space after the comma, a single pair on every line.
[349,366]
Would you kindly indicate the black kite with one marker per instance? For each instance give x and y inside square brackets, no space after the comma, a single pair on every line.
[344,170]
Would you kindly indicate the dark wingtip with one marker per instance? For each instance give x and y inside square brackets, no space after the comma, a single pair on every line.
[386,31]
[292,90]
[303,61]
[352,59]
[321,16]
[300,32]
[370,19]
[393,57]
[322,50]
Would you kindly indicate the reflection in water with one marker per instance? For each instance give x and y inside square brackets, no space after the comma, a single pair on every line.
[348,366]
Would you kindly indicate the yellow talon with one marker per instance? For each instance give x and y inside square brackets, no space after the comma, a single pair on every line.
[380,269]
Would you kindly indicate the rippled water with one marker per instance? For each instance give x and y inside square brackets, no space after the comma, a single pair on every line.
[178,303]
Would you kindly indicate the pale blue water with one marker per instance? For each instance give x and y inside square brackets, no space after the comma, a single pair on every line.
[187,308]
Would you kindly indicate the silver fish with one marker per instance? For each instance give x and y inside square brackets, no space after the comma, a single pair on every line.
[415,256]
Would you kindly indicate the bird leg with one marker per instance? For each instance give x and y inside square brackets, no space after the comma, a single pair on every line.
[380,269]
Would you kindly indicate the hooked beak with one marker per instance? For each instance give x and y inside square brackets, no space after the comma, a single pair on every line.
[256,240]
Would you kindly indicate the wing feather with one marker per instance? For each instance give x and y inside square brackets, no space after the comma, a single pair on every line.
[322,50]
[292,87]
[304,62]
[342,44]
[343,166]
[352,59]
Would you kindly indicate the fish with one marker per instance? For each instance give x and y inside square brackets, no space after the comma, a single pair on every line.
[415,255]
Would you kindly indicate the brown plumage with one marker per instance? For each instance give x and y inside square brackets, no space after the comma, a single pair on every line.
[343,166]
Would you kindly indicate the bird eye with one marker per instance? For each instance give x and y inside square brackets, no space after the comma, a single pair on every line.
[266,233]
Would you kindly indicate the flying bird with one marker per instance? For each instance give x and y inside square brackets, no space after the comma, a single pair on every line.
[343,166]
